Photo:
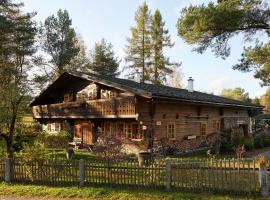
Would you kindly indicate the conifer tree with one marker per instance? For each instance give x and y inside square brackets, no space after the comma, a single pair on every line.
[17,39]
[139,47]
[103,60]
[160,38]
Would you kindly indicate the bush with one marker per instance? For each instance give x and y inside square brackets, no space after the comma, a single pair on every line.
[58,140]
[258,142]
[261,140]
[225,141]
[2,148]
[25,135]
[249,145]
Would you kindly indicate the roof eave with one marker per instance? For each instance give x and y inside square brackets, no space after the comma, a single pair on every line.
[208,102]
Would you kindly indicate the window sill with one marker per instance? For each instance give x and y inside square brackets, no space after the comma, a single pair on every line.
[137,140]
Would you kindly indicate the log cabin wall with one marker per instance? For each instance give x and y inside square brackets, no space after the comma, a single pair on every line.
[189,120]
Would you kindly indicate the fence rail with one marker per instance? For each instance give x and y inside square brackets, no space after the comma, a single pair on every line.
[233,176]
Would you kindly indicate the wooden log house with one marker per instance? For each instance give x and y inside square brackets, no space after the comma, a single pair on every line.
[85,104]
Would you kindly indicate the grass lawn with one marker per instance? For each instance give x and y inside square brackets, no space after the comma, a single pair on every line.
[106,193]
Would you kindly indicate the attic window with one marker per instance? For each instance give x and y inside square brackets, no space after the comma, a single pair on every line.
[164,116]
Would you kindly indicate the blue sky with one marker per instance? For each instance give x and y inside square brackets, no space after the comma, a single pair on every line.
[112,19]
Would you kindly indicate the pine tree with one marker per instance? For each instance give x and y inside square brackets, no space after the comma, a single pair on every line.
[17,41]
[160,38]
[103,60]
[212,25]
[139,48]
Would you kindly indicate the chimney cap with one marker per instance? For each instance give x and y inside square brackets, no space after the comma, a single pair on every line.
[190,84]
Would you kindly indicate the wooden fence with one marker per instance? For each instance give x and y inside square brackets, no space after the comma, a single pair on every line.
[230,176]
[2,170]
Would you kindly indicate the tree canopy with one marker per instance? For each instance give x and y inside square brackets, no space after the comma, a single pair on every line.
[17,45]
[60,48]
[236,93]
[145,51]
[160,65]
[139,47]
[103,60]
[212,25]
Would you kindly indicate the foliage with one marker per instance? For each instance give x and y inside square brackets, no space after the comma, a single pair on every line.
[59,42]
[262,160]
[212,25]
[57,140]
[261,140]
[248,143]
[80,62]
[3,152]
[225,140]
[25,135]
[139,48]
[160,38]
[145,51]
[17,39]
[109,148]
[256,101]
[103,60]
[258,141]
[236,93]
[265,100]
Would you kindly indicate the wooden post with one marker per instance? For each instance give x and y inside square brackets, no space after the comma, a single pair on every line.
[8,170]
[82,171]
[263,180]
[168,173]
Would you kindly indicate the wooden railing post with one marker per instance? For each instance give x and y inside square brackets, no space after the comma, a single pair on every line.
[8,170]
[82,171]
[168,173]
[263,180]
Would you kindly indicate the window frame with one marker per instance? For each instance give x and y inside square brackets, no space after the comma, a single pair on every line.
[171,135]
[201,128]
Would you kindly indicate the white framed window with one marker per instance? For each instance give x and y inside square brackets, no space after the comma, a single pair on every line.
[53,127]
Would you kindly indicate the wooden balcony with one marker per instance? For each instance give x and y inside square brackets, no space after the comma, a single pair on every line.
[101,108]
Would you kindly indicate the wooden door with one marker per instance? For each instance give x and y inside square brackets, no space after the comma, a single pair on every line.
[87,134]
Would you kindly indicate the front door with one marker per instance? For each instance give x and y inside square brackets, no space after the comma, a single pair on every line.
[87,134]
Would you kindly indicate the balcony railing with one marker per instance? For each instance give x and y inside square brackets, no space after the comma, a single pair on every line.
[102,108]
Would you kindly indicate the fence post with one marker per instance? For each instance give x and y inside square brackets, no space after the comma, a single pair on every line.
[8,170]
[168,173]
[82,171]
[263,180]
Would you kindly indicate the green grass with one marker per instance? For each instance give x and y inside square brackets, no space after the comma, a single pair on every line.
[107,193]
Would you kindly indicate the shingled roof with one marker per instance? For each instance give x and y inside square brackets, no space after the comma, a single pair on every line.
[159,91]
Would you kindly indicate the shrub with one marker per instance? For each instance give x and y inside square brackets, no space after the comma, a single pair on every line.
[258,142]
[225,141]
[57,140]
[25,135]
[249,145]
[2,148]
